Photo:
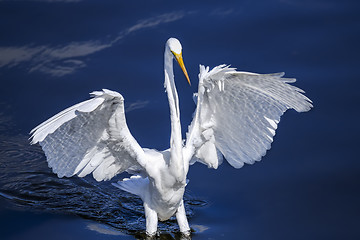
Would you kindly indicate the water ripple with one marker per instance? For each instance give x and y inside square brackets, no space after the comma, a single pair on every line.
[28,183]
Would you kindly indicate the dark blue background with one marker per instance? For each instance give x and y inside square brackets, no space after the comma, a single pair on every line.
[53,53]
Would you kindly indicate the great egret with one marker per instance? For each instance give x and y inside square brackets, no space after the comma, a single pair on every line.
[236,117]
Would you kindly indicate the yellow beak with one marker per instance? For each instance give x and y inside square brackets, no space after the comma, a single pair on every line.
[180,61]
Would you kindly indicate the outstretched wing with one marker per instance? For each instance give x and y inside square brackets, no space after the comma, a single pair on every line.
[90,137]
[237,114]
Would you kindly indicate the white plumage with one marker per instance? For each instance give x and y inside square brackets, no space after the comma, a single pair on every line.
[90,137]
[238,112]
[236,117]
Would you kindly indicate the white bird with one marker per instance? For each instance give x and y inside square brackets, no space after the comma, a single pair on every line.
[236,117]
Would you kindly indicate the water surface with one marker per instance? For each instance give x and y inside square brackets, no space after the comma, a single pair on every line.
[53,53]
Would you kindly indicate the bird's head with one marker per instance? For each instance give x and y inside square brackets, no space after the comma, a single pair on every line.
[175,48]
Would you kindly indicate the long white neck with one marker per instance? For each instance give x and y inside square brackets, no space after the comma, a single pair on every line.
[176,164]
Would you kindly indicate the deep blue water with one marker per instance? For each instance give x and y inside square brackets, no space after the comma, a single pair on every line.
[53,53]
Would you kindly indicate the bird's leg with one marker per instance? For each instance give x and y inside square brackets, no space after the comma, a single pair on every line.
[182,220]
[151,220]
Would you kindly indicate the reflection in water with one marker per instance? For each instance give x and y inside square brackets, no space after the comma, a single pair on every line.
[28,183]
[136,105]
[66,59]
[199,228]
[103,229]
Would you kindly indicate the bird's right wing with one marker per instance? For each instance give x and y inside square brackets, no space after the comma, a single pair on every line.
[90,137]
[237,114]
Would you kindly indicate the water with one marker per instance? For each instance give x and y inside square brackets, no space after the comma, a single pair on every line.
[53,53]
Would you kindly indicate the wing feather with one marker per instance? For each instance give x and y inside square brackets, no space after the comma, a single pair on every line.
[243,110]
[90,137]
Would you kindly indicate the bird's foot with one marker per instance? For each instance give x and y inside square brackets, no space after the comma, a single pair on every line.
[152,235]
[185,235]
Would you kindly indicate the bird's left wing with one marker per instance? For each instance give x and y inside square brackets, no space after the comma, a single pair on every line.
[237,114]
[90,137]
